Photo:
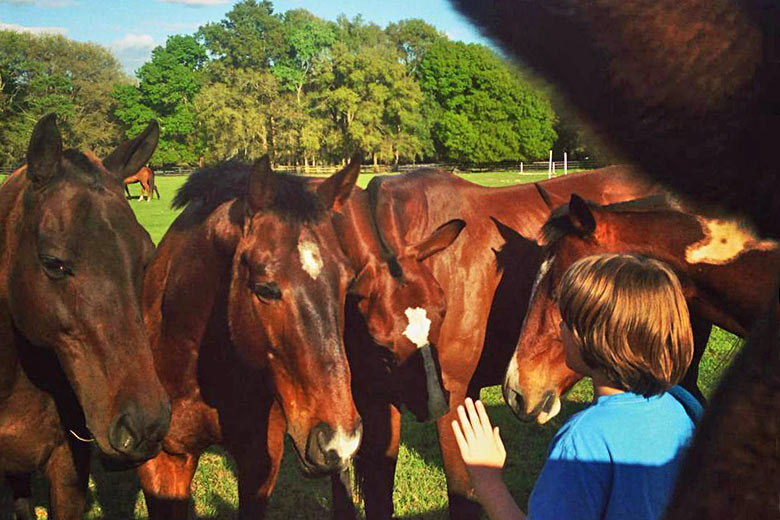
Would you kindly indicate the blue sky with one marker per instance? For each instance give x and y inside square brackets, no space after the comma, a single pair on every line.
[132,28]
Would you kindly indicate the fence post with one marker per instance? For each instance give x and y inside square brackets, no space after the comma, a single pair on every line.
[565,164]
[550,166]
[521,168]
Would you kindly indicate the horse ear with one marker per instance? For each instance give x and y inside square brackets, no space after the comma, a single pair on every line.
[131,155]
[44,153]
[260,190]
[580,215]
[544,195]
[439,239]
[337,188]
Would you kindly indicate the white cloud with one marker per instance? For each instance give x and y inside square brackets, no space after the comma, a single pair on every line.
[196,3]
[134,41]
[133,50]
[41,3]
[33,30]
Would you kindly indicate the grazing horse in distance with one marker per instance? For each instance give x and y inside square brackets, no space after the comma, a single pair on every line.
[688,89]
[144,176]
[727,276]
[75,360]
[486,274]
[244,305]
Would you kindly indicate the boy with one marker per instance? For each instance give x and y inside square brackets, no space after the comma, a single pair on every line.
[624,324]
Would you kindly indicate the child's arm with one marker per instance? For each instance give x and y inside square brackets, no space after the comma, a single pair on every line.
[484,454]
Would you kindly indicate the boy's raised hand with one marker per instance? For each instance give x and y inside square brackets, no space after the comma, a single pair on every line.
[479,443]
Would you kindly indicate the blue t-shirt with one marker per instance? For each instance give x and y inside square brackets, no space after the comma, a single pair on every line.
[615,460]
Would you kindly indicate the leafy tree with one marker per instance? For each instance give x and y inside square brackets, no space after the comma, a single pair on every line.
[371,100]
[248,37]
[50,73]
[413,38]
[167,85]
[234,115]
[485,111]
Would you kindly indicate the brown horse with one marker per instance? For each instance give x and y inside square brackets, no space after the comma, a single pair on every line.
[486,275]
[244,307]
[393,315]
[144,176]
[727,275]
[75,360]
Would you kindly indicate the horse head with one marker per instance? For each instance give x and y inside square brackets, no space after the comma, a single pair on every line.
[400,303]
[74,284]
[286,309]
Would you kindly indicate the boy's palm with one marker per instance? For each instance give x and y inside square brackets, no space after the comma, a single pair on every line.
[480,444]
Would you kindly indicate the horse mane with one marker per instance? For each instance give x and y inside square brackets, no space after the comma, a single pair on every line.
[209,187]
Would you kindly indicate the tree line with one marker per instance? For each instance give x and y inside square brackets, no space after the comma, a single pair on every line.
[305,90]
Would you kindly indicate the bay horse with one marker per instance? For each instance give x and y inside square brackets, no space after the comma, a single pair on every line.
[144,176]
[75,360]
[486,274]
[244,306]
[683,88]
[726,272]
[393,315]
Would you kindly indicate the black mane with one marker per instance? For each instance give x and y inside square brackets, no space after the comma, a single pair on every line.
[210,187]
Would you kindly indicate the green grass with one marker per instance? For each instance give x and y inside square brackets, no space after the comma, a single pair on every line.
[420,489]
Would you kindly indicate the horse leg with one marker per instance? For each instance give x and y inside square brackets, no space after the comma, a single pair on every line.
[258,459]
[68,472]
[377,458]
[127,190]
[462,501]
[22,493]
[166,481]
[701,334]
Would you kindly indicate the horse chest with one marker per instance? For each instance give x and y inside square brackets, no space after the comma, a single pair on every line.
[29,429]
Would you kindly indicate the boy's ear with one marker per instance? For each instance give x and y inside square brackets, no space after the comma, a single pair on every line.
[580,215]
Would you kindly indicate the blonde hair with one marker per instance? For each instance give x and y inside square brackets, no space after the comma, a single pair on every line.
[628,317]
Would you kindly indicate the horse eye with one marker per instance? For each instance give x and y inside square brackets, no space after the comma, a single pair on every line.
[54,267]
[266,291]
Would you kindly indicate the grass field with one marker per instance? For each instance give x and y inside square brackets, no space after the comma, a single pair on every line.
[420,490]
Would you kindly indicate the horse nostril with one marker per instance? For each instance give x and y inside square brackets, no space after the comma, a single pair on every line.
[514,400]
[122,435]
[548,402]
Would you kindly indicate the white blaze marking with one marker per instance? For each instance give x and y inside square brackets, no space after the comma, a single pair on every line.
[311,261]
[419,325]
[343,444]
[724,240]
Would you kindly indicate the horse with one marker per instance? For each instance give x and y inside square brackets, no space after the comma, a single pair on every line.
[393,315]
[726,272]
[144,176]
[244,306]
[486,284]
[75,360]
[684,89]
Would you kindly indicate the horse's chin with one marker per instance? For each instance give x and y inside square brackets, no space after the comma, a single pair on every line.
[308,470]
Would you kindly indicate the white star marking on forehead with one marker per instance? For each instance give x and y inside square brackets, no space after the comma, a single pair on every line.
[419,325]
[311,261]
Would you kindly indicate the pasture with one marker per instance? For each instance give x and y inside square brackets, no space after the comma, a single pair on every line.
[420,487]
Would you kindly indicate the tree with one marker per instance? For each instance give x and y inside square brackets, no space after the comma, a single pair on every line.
[248,37]
[485,111]
[413,38]
[167,85]
[50,73]
[234,115]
